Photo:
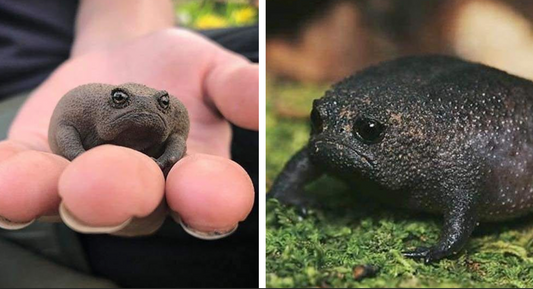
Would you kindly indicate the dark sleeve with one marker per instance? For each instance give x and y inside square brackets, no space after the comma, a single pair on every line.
[35,38]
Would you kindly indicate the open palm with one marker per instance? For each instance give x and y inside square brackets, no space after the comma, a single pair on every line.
[107,187]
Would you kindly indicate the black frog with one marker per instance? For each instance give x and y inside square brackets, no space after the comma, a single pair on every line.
[131,115]
[429,133]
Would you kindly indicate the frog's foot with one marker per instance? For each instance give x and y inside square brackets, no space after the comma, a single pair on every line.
[166,164]
[209,195]
[289,186]
[160,164]
[429,254]
[460,219]
[164,168]
[302,205]
[113,190]
[455,233]
[28,185]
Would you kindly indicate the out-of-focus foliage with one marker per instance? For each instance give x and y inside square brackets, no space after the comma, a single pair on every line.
[210,14]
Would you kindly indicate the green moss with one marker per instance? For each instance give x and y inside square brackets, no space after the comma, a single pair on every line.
[322,249]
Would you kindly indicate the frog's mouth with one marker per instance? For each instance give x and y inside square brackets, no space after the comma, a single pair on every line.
[339,153]
[139,127]
[135,116]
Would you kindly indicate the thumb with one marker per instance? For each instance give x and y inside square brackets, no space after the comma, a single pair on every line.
[232,84]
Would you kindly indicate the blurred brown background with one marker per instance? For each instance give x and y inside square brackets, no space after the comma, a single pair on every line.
[321,41]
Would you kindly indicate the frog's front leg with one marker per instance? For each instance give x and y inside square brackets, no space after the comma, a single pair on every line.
[460,219]
[69,143]
[289,185]
[175,148]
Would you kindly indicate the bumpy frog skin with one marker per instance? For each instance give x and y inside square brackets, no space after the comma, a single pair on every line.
[430,133]
[131,115]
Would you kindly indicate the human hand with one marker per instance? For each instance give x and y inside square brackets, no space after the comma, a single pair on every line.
[106,187]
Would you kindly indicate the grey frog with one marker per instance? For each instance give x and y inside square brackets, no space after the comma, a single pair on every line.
[131,115]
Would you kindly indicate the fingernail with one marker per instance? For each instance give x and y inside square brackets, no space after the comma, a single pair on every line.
[75,224]
[213,235]
[11,225]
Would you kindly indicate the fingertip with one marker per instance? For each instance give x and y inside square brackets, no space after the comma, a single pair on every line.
[108,185]
[234,88]
[28,185]
[209,193]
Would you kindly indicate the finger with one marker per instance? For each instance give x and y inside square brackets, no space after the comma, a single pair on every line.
[209,193]
[10,148]
[28,185]
[232,84]
[107,187]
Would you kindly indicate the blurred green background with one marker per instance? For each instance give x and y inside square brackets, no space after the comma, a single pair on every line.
[212,14]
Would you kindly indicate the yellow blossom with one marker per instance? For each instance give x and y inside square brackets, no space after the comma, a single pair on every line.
[244,15]
[210,21]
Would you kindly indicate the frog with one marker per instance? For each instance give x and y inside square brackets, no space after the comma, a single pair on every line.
[429,133]
[131,115]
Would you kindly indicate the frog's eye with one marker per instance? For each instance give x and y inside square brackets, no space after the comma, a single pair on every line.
[119,97]
[164,101]
[317,124]
[369,130]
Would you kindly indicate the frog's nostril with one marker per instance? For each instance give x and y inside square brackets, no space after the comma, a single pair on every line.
[346,128]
